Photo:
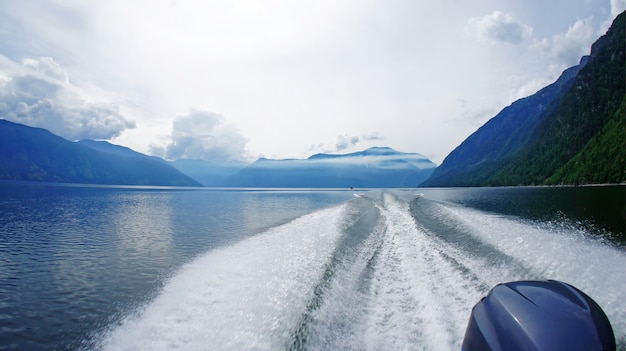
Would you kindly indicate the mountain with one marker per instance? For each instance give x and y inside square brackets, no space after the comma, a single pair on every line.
[35,154]
[593,164]
[570,132]
[206,172]
[501,138]
[378,167]
[106,147]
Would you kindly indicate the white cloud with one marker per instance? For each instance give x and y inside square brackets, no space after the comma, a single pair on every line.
[38,93]
[373,136]
[344,143]
[203,135]
[617,7]
[499,27]
[47,67]
[569,47]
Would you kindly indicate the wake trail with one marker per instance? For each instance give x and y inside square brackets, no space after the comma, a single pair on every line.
[557,251]
[248,296]
[382,271]
[419,299]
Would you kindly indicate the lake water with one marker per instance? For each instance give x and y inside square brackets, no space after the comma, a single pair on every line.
[132,268]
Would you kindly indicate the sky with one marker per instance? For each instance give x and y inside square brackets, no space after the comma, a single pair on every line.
[243,79]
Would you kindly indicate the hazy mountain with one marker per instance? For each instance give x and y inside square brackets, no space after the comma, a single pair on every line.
[373,168]
[106,147]
[206,172]
[568,132]
[35,154]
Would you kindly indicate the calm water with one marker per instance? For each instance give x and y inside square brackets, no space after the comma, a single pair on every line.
[163,268]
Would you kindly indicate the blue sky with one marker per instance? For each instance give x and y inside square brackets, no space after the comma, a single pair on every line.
[243,79]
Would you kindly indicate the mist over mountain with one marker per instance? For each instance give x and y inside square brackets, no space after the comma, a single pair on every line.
[208,173]
[35,154]
[377,167]
[570,132]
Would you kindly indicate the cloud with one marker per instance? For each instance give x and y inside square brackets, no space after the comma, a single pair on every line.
[343,142]
[203,135]
[531,87]
[499,27]
[47,67]
[570,46]
[617,7]
[38,93]
[373,136]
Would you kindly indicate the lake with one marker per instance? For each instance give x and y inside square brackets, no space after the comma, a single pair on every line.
[127,268]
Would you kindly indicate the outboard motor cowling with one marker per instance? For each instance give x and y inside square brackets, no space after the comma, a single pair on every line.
[537,315]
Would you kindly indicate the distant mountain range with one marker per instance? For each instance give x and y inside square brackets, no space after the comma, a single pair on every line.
[35,154]
[571,132]
[377,167]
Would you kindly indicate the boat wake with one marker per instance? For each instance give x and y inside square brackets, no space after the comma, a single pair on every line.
[382,271]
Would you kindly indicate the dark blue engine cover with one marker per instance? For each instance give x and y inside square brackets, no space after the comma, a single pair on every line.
[537,315]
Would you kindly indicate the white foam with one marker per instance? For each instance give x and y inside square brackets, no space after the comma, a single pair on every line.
[420,294]
[337,323]
[419,300]
[253,294]
[555,251]
[247,296]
